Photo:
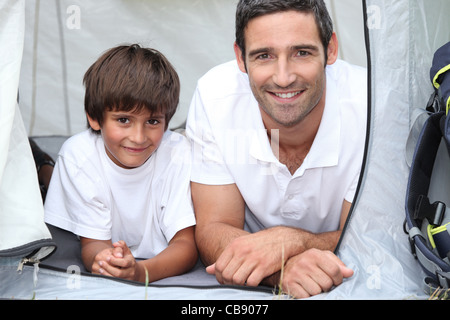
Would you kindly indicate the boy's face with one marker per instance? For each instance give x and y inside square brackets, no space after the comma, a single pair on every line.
[130,138]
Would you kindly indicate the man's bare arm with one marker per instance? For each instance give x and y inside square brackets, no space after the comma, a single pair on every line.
[240,257]
[220,214]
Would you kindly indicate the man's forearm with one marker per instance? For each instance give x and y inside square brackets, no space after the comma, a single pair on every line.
[296,241]
[214,238]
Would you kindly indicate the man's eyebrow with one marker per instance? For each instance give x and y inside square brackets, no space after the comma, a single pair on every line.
[258,51]
[305,47]
[299,47]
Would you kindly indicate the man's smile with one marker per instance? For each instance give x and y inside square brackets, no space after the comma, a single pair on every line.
[287,95]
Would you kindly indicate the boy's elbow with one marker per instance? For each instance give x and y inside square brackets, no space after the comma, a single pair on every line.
[192,261]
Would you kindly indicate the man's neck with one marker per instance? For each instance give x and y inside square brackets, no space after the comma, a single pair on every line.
[291,144]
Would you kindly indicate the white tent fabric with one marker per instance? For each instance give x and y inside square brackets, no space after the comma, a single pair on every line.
[401,51]
[62,38]
[21,211]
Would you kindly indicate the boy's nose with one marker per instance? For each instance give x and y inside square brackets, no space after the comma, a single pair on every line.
[138,136]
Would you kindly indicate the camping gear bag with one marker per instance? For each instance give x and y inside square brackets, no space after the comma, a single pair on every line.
[428,193]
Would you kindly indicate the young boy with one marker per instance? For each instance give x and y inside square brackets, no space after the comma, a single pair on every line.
[123,185]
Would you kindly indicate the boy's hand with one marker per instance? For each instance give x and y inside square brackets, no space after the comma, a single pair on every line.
[119,263]
[100,258]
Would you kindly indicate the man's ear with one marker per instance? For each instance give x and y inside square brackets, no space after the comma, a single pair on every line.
[94,124]
[333,49]
[240,58]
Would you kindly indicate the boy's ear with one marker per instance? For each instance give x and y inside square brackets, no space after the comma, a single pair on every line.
[93,123]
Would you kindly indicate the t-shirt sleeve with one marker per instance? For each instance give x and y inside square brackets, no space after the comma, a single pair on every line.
[75,202]
[351,192]
[208,164]
[177,210]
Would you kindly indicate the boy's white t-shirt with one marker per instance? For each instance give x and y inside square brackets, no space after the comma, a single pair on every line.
[94,198]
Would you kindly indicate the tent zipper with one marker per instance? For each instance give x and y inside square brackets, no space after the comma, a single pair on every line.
[26,261]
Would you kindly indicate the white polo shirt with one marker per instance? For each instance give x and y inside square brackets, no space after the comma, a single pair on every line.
[230,146]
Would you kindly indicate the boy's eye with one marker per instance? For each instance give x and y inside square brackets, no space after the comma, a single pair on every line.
[153,121]
[123,120]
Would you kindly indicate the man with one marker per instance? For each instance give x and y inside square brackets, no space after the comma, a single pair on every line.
[278,141]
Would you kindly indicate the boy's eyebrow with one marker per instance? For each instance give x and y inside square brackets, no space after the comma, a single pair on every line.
[157,116]
[128,114]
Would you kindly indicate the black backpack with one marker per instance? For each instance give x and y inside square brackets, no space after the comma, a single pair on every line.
[428,193]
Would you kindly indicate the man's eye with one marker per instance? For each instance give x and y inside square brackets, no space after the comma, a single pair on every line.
[263,56]
[302,53]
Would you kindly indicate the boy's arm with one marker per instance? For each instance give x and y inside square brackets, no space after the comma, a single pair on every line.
[179,257]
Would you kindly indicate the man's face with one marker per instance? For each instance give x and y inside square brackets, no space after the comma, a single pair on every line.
[285,61]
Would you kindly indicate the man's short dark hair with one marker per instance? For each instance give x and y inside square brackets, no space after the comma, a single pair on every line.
[250,9]
[131,78]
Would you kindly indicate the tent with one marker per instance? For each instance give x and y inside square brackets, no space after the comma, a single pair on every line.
[46,46]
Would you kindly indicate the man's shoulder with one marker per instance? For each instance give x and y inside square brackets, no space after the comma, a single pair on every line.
[344,71]
[229,68]
[350,81]
[224,80]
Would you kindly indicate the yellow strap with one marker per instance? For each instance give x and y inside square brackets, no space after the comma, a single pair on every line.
[442,228]
[448,105]
[443,70]
[430,235]
[434,230]
[437,85]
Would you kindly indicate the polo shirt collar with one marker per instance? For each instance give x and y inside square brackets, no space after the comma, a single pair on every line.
[325,149]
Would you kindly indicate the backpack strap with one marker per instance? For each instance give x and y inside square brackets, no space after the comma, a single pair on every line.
[428,224]
[440,77]
[420,213]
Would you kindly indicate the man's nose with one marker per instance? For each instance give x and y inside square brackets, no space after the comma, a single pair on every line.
[284,74]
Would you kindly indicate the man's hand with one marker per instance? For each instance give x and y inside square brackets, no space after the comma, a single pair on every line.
[249,259]
[313,272]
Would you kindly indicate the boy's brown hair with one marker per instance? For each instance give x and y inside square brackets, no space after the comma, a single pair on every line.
[131,78]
